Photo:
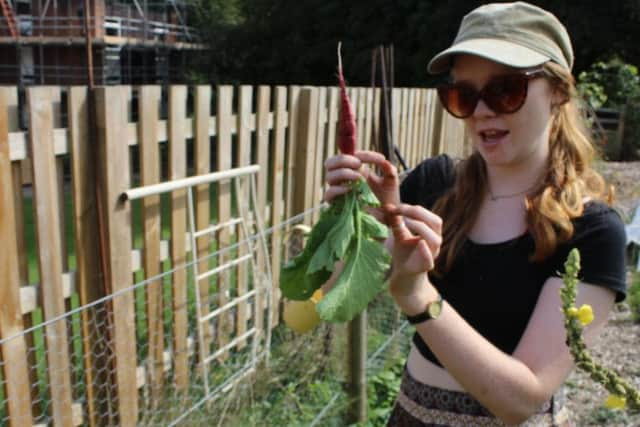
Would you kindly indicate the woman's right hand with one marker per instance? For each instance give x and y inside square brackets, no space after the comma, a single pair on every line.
[342,169]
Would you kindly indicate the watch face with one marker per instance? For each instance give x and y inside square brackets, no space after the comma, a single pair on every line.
[434,309]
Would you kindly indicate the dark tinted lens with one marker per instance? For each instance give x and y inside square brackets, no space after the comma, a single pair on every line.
[505,94]
[459,99]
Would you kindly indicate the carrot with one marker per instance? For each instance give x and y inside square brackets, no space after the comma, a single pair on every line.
[347,126]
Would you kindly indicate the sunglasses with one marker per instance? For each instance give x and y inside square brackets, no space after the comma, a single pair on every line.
[504,94]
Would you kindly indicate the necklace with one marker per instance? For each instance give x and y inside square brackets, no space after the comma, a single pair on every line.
[495,197]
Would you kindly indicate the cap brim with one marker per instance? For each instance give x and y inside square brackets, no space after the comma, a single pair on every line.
[501,51]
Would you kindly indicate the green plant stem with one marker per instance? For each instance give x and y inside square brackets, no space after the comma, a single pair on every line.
[611,381]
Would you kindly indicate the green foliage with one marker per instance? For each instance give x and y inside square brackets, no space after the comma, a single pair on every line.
[382,390]
[218,24]
[615,84]
[345,232]
[634,297]
[610,84]
[294,42]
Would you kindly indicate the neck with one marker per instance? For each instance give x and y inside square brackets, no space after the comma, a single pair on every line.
[515,180]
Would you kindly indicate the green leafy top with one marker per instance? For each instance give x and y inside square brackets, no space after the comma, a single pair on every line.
[346,232]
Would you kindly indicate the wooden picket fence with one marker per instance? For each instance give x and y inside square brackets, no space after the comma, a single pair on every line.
[180,131]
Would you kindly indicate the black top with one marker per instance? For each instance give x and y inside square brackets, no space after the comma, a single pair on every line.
[494,286]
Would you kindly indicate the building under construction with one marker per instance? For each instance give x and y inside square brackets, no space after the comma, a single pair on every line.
[44,42]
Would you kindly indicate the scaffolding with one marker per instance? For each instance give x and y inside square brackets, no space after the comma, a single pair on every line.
[134,42]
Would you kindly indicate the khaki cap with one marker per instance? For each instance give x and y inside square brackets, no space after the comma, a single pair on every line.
[517,34]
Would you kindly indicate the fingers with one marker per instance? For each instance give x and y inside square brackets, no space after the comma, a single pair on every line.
[341,175]
[342,169]
[409,221]
[342,161]
[335,191]
[429,236]
[377,213]
[355,162]
[396,223]
[371,157]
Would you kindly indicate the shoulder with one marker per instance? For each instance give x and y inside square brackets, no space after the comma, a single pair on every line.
[599,222]
[428,181]
[599,235]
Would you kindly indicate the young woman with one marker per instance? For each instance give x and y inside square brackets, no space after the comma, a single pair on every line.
[478,245]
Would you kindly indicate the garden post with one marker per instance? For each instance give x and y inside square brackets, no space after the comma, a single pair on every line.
[357,386]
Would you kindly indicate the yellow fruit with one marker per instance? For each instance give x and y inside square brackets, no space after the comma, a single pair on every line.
[301,316]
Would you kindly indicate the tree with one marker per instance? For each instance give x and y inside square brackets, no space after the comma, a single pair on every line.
[294,42]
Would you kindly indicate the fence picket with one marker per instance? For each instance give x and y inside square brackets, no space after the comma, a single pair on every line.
[223,157]
[332,120]
[318,152]
[376,137]
[88,282]
[10,96]
[262,156]
[291,150]
[412,122]
[395,119]
[202,162]
[245,124]
[177,170]
[47,200]
[277,204]
[111,108]
[14,352]
[149,107]
[437,145]
[305,138]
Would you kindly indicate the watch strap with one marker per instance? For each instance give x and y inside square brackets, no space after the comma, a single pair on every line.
[426,313]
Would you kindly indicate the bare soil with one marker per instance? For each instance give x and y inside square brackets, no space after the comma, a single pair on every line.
[617,347]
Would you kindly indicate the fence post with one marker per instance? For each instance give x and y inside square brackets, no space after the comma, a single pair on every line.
[89,275]
[14,352]
[357,388]
[111,112]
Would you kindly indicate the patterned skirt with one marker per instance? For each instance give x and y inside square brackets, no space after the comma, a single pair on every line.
[420,405]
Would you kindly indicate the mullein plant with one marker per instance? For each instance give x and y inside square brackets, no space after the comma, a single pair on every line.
[622,394]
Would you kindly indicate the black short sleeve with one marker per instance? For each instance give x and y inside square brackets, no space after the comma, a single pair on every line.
[428,181]
[601,239]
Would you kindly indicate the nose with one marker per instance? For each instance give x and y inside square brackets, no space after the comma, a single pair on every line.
[482,110]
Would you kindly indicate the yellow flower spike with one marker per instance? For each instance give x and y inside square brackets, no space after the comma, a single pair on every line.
[573,312]
[585,314]
[615,402]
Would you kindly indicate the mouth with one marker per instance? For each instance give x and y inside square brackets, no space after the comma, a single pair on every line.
[492,136]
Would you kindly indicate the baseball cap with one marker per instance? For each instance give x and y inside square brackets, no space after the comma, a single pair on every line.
[517,34]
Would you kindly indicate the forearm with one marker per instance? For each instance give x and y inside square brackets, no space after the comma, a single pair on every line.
[504,384]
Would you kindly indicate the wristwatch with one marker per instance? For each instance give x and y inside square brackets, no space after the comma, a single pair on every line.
[432,311]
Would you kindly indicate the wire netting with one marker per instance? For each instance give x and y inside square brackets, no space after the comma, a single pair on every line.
[293,379]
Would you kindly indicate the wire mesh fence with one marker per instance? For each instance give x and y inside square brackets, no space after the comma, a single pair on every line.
[299,380]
